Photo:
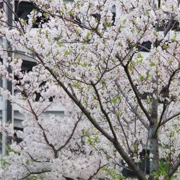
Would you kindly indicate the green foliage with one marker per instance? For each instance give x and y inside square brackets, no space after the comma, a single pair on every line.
[110,172]
[165,46]
[151,64]
[92,140]
[48,54]
[107,24]
[140,56]
[4,163]
[35,177]
[32,178]
[67,52]
[24,21]
[60,44]
[83,47]
[141,78]
[72,13]
[45,15]
[116,99]
[88,36]
[137,62]
[134,148]
[171,134]
[76,85]
[163,171]
[9,149]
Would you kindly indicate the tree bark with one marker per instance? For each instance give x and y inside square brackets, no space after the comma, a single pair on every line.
[154,152]
[153,138]
[139,173]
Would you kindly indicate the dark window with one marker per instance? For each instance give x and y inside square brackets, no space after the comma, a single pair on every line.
[15,137]
[113,18]
[44,88]
[23,9]
[27,66]
[145,46]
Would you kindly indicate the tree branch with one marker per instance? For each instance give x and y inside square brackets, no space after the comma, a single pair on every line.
[125,135]
[132,107]
[103,110]
[76,101]
[119,148]
[174,168]
[136,93]
[169,26]
[170,118]
[99,168]
[67,141]
[34,173]
[44,134]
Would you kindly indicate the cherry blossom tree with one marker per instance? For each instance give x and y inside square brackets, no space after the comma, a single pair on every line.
[122,106]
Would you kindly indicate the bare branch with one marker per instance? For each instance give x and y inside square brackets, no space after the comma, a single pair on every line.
[35,173]
[170,118]
[103,111]
[99,168]
[136,93]
[132,107]
[67,141]
[44,134]
[125,135]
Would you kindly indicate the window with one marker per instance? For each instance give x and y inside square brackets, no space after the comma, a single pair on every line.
[23,9]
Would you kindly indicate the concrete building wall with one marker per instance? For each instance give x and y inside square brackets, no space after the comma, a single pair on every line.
[13,114]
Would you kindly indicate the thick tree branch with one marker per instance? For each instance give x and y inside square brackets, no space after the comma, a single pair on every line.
[133,86]
[136,93]
[131,164]
[169,26]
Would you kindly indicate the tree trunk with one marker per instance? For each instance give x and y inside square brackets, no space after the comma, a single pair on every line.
[139,173]
[153,138]
[154,152]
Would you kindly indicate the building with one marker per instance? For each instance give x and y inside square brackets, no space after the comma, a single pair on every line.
[10,112]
